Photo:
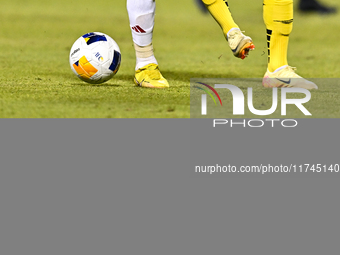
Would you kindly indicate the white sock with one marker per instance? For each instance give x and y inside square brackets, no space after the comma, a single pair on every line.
[144,56]
[140,62]
[142,19]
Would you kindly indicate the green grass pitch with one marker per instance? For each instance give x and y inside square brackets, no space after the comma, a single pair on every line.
[37,82]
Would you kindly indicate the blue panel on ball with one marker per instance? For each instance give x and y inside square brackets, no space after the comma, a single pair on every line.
[88,35]
[115,62]
[92,37]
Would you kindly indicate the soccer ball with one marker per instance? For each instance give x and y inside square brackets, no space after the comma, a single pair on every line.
[95,57]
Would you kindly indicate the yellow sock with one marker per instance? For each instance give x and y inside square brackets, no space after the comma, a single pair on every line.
[220,11]
[278,17]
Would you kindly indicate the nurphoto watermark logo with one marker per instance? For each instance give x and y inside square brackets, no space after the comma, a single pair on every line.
[239,101]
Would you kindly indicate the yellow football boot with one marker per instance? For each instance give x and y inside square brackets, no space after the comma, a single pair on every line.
[149,76]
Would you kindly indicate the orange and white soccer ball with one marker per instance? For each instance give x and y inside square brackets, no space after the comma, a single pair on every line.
[95,57]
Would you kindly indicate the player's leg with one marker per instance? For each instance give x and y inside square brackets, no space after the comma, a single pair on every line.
[142,18]
[278,17]
[238,42]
